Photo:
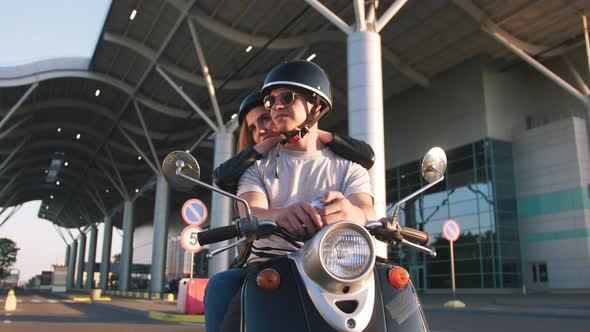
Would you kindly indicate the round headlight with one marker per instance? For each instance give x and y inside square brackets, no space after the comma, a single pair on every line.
[345,253]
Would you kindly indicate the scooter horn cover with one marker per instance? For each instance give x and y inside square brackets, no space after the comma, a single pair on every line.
[303,74]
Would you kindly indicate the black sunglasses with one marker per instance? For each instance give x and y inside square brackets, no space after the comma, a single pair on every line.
[285,98]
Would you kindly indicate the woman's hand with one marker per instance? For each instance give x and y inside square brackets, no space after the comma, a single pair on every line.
[325,137]
[266,145]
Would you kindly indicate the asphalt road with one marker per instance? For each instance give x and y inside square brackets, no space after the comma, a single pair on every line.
[42,312]
[504,319]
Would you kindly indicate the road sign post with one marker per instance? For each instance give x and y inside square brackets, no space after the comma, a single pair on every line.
[194,213]
[451,232]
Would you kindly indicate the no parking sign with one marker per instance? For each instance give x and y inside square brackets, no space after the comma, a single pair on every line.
[451,230]
[194,212]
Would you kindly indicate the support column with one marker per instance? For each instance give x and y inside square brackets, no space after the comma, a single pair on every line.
[67,260]
[160,238]
[221,205]
[72,265]
[105,260]
[365,104]
[91,258]
[81,258]
[126,248]
[365,110]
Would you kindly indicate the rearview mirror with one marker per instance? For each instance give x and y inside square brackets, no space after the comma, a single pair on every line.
[434,164]
[191,167]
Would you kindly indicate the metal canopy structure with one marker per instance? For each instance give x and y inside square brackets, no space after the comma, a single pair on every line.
[83,137]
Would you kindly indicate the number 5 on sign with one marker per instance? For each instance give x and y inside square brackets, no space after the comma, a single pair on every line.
[189,239]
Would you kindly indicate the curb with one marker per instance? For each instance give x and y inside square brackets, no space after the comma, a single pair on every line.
[176,318]
[156,315]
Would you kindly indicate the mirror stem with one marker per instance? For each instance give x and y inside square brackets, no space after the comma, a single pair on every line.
[182,165]
[412,195]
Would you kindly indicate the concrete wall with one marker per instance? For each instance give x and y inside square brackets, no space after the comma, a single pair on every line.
[513,95]
[551,168]
[450,113]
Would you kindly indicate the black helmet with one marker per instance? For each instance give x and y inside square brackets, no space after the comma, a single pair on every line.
[303,74]
[252,100]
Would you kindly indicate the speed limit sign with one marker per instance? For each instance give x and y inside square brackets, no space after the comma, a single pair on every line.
[189,240]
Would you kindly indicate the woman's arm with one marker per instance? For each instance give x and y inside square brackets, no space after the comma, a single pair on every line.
[227,175]
[349,148]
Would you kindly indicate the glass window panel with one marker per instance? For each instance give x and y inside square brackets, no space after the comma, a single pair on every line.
[463,208]
[468,224]
[434,199]
[461,194]
[468,281]
[440,212]
[459,179]
[543,277]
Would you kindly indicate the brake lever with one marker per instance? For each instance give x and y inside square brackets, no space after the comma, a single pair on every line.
[226,247]
[385,234]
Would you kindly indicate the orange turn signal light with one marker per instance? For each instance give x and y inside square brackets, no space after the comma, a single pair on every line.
[268,279]
[399,277]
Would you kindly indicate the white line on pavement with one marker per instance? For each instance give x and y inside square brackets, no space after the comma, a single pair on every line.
[191,324]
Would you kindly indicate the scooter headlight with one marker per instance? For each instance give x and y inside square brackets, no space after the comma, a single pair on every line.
[346,253]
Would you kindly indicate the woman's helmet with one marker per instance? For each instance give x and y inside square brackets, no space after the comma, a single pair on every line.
[302,74]
[252,100]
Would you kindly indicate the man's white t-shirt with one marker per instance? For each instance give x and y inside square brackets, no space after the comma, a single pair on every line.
[302,177]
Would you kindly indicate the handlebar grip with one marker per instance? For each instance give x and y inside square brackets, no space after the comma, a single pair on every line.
[217,234]
[415,235]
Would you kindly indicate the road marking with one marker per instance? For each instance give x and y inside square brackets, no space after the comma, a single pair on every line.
[36,301]
[201,324]
[7,314]
[52,301]
[7,321]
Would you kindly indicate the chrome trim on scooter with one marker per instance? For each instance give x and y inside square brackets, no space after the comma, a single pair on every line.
[325,289]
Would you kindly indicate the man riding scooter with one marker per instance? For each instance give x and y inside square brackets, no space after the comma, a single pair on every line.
[300,169]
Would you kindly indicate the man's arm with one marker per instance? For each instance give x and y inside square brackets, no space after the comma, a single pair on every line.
[356,207]
[291,218]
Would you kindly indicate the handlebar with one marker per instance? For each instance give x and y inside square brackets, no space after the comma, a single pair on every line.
[250,229]
[218,234]
[414,235]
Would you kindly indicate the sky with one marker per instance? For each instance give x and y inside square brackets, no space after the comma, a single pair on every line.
[32,30]
[41,245]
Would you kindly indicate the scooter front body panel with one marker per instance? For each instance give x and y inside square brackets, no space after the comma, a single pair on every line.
[289,308]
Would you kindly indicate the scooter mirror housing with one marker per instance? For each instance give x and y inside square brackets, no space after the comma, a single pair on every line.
[182,172]
[434,164]
[189,166]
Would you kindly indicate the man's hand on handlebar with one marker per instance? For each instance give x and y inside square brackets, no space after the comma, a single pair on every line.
[300,219]
[340,208]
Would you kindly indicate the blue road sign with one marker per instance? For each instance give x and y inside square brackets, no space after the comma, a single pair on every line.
[194,212]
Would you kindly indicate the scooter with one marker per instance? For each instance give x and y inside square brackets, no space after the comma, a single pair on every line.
[335,281]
